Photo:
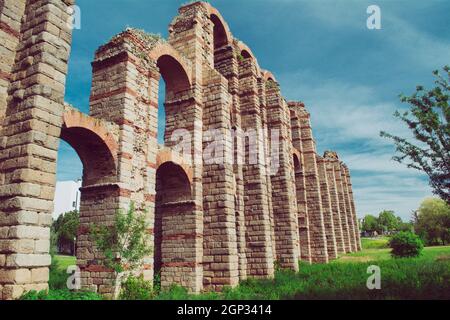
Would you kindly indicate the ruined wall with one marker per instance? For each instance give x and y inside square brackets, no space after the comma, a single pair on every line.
[265,199]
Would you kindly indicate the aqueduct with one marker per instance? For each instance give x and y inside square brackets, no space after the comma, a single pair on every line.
[212,224]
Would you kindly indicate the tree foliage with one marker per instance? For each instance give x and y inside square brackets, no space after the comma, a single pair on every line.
[405,244]
[433,221]
[124,244]
[64,229]
[386,221]
[370,223]
[428,119]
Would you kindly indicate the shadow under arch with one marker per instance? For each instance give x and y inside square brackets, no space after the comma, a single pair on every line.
[178,102]
[174,75]
[175,227]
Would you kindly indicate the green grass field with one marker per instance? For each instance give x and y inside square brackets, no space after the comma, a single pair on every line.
[425,277]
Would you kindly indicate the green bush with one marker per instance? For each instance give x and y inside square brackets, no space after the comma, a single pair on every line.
[405,244]
[136,288]
[60,295]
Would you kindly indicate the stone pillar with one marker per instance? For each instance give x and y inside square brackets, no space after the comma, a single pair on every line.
[267,154]
[335,205]
[349,214]
[124,91]
[260,256]
[355,216]
[11,13]
[226,62]
[300,182]
[29,139]
[350,211]
[327,209]
[342,207]
[220,261]
[283,198]
[319,251]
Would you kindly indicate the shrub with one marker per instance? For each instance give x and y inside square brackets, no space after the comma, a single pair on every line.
[60,295]
[405,244]
[136,288]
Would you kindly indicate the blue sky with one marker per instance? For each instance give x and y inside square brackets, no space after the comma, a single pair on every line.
[321,53]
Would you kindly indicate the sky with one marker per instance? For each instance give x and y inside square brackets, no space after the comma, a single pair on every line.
[321,53]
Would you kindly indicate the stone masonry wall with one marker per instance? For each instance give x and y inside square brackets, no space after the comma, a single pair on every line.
[265,199]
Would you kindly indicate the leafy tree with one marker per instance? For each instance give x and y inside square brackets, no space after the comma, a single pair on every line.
[428,119]
[64,229]
[370,223]
[433,221]
[405,226]
[124,245]
[387,221]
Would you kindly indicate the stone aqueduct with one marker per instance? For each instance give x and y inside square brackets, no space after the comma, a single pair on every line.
[212,224]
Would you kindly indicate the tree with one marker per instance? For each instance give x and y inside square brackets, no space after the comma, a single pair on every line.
[428,119]
[64,229]
[370,223]
[387,221]
[124,245]
[433,221]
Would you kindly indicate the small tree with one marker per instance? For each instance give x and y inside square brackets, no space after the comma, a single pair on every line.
[124,244]
[388,221]
[428,119]
[370,223]
[405,244]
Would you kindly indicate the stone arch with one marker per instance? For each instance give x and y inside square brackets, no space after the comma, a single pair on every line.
[268,76]
[86,134]
[176,239]
[167,155]
[246,55]
[244,49]
[222,34]
[174,68]
[177,74]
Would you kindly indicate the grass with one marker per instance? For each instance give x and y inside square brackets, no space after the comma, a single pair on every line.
[58,272]
[375,243]
[425,277]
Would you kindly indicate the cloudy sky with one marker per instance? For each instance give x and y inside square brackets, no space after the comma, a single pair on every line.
[322,53]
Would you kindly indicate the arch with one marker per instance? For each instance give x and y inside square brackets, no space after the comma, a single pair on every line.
[94,144]
[267,75]
[167,155]
[173,68]
[243,48]
[173,183]
[175,237]
[246,55]
[222,34]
